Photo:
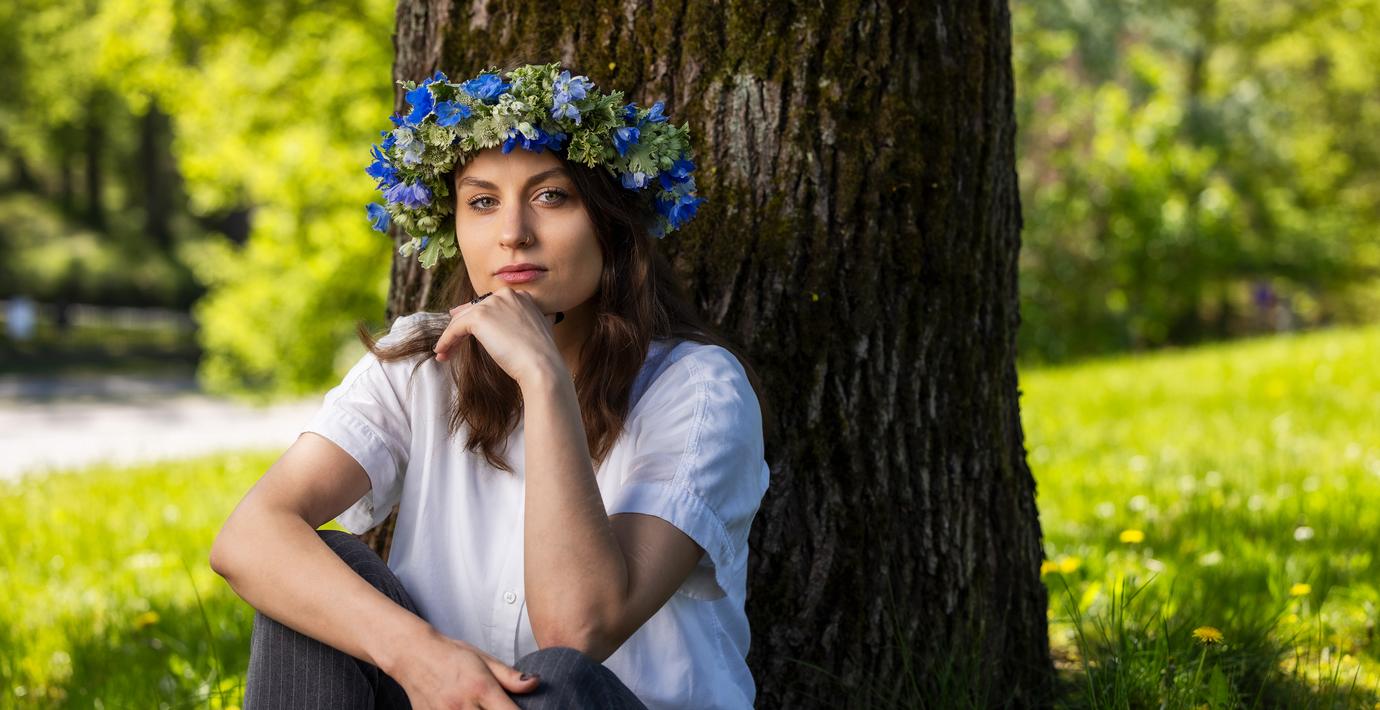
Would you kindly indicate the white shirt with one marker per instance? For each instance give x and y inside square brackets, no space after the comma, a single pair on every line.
[691,453]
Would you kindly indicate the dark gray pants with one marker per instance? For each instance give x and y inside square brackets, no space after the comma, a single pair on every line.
[288,669]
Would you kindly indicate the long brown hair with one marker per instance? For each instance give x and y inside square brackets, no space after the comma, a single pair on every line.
[639,299]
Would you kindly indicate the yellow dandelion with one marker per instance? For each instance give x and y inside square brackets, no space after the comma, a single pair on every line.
[1208,635]
[1048,566]
[1069,565]
[1300,590]
[145,619]
[1132,536]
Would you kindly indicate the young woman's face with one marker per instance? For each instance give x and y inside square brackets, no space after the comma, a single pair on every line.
[523,207]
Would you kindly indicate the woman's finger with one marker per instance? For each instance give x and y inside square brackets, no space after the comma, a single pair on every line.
[509,677]
[458,328]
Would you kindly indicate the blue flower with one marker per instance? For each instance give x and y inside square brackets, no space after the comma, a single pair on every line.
[566,110]
[378,215]
[680,210]
[654,114]
[439,76]
[449,113]
[412,152]
[397,120]
[410,194]
[536,145]
[382,170]
[486,87]
[567,88]
[624,138]
[422,102]
[680,172]
[425,239]
[683,210]
[630,112]
[388,139]
[634,181]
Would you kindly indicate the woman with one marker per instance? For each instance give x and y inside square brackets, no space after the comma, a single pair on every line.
[602,566]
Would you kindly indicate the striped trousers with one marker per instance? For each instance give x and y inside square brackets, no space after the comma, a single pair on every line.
[288,669]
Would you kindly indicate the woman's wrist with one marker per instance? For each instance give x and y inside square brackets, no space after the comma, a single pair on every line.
[543,376]
[399,648]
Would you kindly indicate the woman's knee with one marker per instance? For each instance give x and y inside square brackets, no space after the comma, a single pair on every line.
[364,561]
[367,564]
[558,664]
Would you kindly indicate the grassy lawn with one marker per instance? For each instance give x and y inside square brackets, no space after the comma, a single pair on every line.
[106,593]
[1234,487]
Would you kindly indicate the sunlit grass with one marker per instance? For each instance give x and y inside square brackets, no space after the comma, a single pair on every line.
[106,595]
[1234,487]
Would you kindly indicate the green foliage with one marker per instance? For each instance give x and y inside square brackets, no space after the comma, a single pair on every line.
[50,257]
[1175,153]
[273,106]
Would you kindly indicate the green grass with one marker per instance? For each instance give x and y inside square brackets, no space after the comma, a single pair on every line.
[1246,470]
[106,592]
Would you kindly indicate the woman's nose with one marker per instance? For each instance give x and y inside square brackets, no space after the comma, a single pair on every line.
[517,226]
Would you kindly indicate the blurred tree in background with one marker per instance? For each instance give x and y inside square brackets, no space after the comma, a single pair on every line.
[272,107]
[1190,170]
[1184,163]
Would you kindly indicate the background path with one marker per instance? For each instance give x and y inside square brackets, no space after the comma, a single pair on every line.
[49,422]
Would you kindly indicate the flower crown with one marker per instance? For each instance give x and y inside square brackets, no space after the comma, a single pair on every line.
[539,106]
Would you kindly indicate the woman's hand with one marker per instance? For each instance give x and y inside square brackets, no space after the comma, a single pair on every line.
[512,329]
[449,674]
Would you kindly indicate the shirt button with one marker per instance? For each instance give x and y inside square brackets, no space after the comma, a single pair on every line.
[509,597]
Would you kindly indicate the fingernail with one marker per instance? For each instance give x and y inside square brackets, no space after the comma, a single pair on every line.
[530,677]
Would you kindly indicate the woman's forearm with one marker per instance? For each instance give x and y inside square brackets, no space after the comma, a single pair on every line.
[575,573]
[277,562]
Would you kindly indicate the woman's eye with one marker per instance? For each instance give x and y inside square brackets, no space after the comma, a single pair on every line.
[550,197]
[559,196]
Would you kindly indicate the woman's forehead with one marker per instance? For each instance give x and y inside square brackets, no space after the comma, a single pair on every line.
[515,167]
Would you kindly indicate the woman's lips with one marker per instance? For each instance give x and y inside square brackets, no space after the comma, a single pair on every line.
[518,277]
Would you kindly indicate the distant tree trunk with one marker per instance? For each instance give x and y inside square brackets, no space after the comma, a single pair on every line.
[66,181]
[23,178]
[860,240]
[94,145]
[155,162]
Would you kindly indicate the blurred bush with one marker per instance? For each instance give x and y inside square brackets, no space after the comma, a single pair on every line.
[272,107]
[1188,166]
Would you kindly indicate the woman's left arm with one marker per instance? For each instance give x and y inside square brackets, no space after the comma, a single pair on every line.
[591,581]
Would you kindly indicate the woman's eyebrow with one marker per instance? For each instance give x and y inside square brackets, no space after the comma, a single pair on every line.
[535,178]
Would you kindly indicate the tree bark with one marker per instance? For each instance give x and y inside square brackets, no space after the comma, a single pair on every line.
[860,241]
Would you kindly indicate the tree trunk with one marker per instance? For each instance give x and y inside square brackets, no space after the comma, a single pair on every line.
[93,146]
[157,166]
[860,241]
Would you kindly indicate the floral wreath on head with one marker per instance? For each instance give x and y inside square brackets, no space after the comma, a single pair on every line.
[539,106]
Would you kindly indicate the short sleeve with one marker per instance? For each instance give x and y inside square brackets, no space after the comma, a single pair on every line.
[697,463]
[367,416]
